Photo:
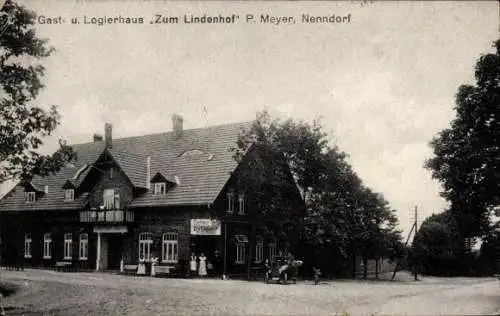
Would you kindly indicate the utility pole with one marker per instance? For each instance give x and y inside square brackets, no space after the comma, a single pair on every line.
[415,261]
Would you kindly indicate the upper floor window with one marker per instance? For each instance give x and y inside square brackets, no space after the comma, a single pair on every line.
[160,188]
[30,197]
[170,249]
[69,194]
[27,245]
[111,199]
[241,204]
[145,242]
[47,240]
[230,202]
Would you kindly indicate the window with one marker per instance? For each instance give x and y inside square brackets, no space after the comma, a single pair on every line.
[111,199]
[241,204]
[47,240]
[241,241]
[272,249]
[259,249]
[84,246]
[68,245]
[169,249]
[30,197]
[69,195]
[160,188]
[230,202]
[27,245]
[145,242]
[240,253]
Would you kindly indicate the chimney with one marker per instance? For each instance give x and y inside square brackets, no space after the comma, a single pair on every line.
[108,128]
[97,138]
[177,125]
[148,172]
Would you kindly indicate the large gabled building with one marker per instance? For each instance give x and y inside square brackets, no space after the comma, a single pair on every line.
[123,200]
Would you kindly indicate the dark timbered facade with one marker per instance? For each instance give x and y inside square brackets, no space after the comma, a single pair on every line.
[128,200]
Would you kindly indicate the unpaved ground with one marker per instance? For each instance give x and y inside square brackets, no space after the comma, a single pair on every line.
[53,293]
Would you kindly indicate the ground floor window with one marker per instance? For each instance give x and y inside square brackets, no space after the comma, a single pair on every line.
[84,246]
[241,242]
[27,245]
[47,241]
[272,249]
[68,246]
[259,249]
[170,249]
[145,242]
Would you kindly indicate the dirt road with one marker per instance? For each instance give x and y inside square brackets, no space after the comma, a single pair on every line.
[52,293]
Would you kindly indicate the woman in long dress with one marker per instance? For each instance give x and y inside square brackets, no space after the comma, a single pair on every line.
[202,269]
[192,265]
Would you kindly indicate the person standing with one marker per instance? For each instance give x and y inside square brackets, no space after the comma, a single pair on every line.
[193,267]
[202,268]
[217,264]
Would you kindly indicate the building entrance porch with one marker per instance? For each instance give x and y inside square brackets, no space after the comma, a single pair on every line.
[110,248]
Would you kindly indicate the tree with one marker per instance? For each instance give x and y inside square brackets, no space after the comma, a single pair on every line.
[342,217]
[22,124]
[467,155]
[436,245]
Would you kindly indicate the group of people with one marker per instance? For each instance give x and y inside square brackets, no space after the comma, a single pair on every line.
[202,267]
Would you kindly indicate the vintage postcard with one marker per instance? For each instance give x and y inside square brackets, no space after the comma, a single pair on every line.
[249,158]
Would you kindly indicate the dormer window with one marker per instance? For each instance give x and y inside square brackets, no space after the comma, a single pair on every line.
[69,194]
[30,197]
[160,188]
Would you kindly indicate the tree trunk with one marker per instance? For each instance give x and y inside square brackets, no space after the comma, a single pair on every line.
[376,268]
[365,267]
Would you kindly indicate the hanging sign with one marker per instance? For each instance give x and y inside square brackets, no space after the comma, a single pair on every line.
[205,226]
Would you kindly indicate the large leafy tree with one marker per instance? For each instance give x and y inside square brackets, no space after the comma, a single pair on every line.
[342,219]
[22,124]
[467,154]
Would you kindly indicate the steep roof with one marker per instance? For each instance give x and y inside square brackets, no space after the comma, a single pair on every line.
[200,161]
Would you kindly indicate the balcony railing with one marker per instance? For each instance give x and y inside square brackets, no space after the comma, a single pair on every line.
[106,216]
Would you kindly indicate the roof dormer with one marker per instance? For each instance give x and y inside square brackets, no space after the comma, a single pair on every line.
[161,184]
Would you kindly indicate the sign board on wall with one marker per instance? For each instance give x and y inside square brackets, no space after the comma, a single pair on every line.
[205,226]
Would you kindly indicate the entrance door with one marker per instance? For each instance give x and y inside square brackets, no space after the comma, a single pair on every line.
[115,247]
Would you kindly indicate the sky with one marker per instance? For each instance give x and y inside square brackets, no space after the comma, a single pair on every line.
[383,83]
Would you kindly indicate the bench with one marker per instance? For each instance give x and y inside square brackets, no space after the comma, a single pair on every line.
[63,266]
[256,272]
[163,270]
[130,269]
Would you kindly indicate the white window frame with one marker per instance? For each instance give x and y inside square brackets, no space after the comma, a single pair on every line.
[259,249]
[83,249]
[241,204]
[230,202]
[273,248]
[170,247]
[68,246]
[30,197]
[28,244]
[69,195]
[47,242]
[240,253]
[145,242]
[160,188]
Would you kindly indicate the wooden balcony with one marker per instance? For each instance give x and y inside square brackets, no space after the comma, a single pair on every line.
[107,216]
